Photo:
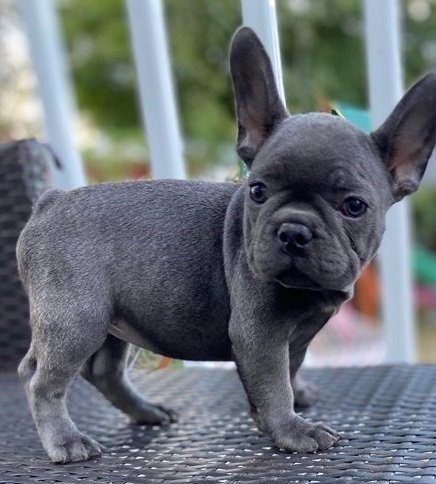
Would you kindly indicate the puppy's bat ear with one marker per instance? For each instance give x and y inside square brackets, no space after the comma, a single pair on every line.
[407,138]
[258,105]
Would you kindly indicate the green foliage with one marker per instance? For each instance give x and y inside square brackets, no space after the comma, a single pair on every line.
[322,53]
[419,41]
[199,32]
[424,212]
[100,59]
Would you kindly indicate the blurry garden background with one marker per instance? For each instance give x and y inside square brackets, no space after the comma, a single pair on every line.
[323,65]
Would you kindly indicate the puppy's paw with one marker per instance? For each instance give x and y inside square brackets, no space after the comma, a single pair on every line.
[153,415]
[300,436]
[77,447]
[305,393]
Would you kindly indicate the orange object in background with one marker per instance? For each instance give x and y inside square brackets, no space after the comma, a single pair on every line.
[164,362]
[366,298]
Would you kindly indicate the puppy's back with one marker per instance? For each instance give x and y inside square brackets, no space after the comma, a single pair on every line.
[118,223]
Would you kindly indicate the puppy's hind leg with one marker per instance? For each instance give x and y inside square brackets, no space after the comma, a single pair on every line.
[61,343]
[305,393]
[106,370]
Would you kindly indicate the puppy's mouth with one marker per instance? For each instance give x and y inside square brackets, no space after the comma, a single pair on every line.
[288,273]
[302,272]
[295,279]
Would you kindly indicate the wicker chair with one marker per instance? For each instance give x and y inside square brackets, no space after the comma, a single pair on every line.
[24,175]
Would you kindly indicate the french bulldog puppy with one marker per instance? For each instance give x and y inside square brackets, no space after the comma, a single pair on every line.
[247,272]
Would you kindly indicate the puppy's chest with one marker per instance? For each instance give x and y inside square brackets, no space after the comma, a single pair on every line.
[304,325]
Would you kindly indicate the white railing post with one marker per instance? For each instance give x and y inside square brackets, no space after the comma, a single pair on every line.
[382,32]
[156,92]
[46,47]
[260,15]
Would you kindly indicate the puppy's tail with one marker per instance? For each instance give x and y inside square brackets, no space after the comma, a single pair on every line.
[46,200]
[27,242]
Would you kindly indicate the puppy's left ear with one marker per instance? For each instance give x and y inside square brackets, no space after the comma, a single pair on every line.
[258,105]
[407,138]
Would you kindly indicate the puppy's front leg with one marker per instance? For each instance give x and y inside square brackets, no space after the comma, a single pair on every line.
[261,352]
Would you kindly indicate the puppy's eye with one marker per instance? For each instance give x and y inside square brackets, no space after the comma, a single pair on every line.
[353,207]
[258,192]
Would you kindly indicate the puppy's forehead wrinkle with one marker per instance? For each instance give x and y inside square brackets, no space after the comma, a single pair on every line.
[320,131]
[318,141]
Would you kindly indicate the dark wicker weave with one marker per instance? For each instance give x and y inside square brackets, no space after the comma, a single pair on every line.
[387,416]
[23,177]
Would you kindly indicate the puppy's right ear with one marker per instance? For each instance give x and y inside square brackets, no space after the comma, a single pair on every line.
[407,138]
[258,105]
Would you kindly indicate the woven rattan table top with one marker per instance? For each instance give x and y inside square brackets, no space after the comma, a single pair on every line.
[387,416]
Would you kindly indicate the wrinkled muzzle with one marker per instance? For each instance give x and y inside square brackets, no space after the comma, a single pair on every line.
[299,250]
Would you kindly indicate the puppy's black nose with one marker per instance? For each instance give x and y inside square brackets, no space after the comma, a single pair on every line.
[294,236]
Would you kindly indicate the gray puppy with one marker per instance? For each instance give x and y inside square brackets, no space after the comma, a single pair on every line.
[216,271]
